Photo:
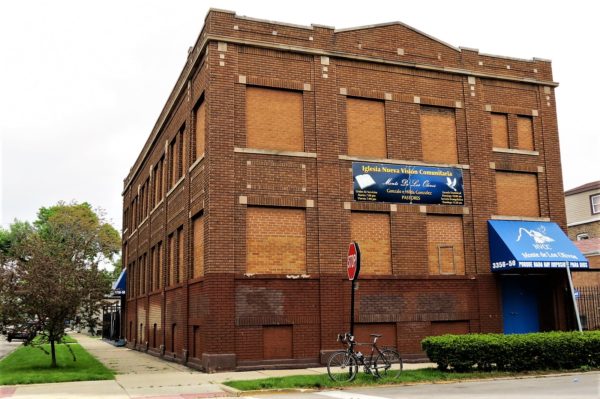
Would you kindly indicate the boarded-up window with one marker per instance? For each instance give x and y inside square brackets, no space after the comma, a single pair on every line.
[180,256]
[445,245]
[171,261]
[449,327]
[197,345]
[517,194]
[151,269]
[366,128]
[275,240]
[200,130]
[525,133]
[278,342]
[274,119]
[372,233]
[174,166]
[183,151]
[159,283]
[198,252]
[499,130]
[438,135]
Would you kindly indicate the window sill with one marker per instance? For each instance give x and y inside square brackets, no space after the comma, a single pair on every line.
[520,218]
[175,186]
[275,152]
[515,151]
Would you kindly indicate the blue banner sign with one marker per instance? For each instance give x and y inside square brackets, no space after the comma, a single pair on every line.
[516,244]
[407,184]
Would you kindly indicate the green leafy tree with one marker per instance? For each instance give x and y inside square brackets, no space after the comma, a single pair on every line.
[52,267]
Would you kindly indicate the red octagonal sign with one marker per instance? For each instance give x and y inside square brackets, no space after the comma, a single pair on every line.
[353,265]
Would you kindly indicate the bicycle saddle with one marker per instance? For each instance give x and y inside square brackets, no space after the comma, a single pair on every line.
[375,335]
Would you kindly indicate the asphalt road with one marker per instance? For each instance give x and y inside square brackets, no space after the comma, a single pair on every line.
[7,347]
[580,386]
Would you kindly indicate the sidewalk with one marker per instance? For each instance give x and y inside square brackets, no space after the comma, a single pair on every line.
[144,376]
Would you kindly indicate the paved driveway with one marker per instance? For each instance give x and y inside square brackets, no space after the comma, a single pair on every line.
[7,347]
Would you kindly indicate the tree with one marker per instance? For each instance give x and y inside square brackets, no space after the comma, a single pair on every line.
[51,267]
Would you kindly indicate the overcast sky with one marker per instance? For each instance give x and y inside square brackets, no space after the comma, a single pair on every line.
[82,83]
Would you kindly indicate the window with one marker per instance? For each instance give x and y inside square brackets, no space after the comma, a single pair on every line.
[171,260]
[198,251]
[525,133]
[438,135]
[183,152]
[174,165]
[158,181]
[512,131]
[517,194]
[159,263]
[200,132]
[152,267]
[500,130]
[595,203]
[274,119]
[180,256]
[583,236]
[366,128]
[275,240]
[445,245]
[372,232]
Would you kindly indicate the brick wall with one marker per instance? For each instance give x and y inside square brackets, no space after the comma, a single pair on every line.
[275,240]
[372,232]
[517,194]
[591,229]
[366,128]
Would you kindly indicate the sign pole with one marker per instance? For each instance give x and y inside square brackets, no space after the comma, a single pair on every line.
[573,297]
[352,310]
[353,268]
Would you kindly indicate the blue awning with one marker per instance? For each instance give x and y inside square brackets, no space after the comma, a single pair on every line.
[120,284]
[531,245]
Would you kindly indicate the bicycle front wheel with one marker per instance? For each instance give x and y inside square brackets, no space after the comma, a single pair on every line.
[388,364]
[342,367]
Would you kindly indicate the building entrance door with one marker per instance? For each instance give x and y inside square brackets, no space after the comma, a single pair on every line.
[520,305]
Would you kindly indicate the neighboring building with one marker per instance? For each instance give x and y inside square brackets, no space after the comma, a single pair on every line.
[282,143]
[583,220]
[583,211]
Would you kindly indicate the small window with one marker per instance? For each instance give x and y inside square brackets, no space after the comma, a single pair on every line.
[583,236]
[595,202]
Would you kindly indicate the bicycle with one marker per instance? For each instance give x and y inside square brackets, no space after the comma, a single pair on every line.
[343,365]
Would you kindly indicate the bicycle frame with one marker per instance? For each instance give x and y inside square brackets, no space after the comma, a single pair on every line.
[360,358]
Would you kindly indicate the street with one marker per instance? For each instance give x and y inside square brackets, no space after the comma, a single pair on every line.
[581,385]
[7,347]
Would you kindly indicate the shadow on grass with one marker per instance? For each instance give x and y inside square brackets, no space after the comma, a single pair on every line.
[30,365]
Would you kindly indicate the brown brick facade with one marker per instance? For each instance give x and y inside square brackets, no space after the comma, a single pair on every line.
[249,169]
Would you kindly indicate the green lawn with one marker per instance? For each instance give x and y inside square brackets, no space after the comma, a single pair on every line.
[407,377]
[29,365]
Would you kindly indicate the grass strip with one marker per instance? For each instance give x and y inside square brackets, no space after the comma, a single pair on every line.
[67,339]
[29,365]
[320,381]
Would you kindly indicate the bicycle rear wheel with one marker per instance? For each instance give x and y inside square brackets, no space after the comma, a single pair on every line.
[342,367]
[388,364]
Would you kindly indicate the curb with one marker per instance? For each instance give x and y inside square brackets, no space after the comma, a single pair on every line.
[230,390]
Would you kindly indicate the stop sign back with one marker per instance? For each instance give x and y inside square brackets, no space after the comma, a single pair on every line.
[353,265]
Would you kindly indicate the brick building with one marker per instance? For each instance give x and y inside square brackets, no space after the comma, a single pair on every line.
[239,209]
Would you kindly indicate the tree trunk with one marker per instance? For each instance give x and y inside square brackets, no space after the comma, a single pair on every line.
[53,351]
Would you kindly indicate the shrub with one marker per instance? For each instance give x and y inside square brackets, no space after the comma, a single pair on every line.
[518,352]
